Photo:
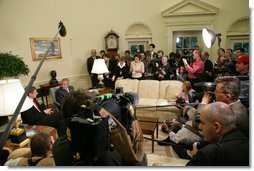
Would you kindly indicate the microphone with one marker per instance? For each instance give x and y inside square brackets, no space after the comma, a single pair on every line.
[62,29]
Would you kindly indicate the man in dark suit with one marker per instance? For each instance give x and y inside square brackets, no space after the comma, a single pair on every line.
[37,115]
[227,145]
[151,52]
[208,66]
[63,90]
[89,63]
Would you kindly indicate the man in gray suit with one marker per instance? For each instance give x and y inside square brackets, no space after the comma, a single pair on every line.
[228,91]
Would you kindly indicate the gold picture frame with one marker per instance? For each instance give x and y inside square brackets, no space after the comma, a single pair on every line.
[39,47]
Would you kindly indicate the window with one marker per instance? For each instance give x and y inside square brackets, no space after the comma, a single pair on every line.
[186,43]
[244,45]
[186,40]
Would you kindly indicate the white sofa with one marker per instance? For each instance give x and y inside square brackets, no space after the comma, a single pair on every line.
[152,93]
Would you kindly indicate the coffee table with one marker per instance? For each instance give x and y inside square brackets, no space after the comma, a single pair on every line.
[38,128]
[148,126]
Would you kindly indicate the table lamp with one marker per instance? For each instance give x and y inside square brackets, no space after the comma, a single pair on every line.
[99,67]
[11,92]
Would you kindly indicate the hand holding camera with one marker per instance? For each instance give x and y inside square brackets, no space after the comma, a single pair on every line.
[185,61]
[194,148]
[207,97]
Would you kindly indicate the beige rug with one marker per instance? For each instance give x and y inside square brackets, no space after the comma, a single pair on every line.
[163,155]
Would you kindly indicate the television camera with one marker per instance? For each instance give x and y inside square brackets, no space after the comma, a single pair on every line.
[95,140]
[202,87]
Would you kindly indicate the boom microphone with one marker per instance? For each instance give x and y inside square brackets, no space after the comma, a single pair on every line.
[62,29]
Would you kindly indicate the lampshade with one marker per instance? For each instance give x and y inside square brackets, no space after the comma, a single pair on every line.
[99,66]
[11,92]
[209,37]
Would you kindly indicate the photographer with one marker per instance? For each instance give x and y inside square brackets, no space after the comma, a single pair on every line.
[96,135]
[228,91]
[163,71]
[195,68]
[228,146]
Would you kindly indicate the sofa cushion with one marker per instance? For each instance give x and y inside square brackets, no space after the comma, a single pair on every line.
[169,89]
[149,89]
[147,102]
[128,85]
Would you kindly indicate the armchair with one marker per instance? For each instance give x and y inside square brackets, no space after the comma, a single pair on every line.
[52,92]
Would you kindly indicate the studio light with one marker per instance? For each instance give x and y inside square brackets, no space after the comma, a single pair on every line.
[209,37]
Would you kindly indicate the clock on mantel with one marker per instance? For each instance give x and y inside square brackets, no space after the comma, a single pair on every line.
[112,43]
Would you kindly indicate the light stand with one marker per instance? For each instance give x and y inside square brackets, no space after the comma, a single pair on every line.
[62,31]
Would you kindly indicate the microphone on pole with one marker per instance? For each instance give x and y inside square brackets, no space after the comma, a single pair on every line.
[62,29]
[4,137]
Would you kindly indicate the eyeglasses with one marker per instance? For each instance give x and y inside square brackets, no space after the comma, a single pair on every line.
[215,91]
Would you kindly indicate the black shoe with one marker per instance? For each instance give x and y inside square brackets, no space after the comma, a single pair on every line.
[164,142]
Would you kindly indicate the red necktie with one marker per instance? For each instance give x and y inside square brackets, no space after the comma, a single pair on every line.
[36,105]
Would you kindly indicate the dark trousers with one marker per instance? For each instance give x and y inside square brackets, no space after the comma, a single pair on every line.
[54,120]
[94,80]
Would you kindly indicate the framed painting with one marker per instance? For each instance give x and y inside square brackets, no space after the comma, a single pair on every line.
[39,47]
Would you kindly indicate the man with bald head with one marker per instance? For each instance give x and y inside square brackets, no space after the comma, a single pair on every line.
[227,145]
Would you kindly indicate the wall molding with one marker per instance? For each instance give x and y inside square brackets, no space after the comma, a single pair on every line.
[187,15]
[239,27]
[190,8]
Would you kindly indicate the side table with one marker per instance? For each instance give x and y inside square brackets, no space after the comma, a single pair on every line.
[45,91]
[149,127]
[38,128]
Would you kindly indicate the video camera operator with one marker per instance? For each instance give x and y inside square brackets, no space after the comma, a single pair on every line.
[228,90]
[100,133]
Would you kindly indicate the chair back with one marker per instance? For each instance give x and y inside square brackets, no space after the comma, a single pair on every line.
[52,92]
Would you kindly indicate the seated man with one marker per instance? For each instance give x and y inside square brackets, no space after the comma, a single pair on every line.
[36,115]
[63,90]
[228,146]
[41,146]
[185,135]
